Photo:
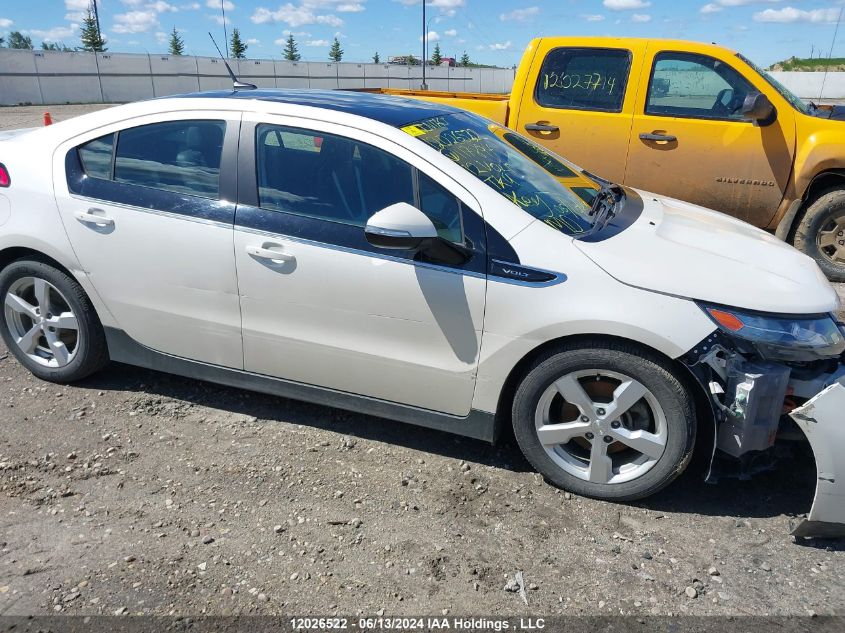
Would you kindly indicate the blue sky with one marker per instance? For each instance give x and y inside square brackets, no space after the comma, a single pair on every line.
[491,31]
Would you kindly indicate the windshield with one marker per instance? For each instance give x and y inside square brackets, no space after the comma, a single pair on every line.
[542,184]
[785,92]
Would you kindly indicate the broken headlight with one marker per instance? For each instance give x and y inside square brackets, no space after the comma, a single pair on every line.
[785,338]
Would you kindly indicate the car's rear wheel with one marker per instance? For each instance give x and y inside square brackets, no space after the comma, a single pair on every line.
[821,233]
[49,323]
[605,420]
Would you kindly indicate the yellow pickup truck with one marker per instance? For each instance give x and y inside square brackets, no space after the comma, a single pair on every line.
[693,121]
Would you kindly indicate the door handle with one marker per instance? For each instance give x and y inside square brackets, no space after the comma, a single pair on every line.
[268,253]
[541,127]
[94,216]
[658,138]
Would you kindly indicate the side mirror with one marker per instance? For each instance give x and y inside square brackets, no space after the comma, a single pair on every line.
[758,108]
[400,226]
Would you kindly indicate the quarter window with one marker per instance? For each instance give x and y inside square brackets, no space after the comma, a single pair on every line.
[343,180]
[96,157]
[180,156]
[696,86]
[583,79]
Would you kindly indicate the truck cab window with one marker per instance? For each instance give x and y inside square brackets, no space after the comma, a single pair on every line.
[583,79]
[696,86]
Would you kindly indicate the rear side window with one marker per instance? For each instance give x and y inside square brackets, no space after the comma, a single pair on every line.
[95,157]
[179,156]
[583,79]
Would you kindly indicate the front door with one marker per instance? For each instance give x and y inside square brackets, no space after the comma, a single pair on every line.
[320,305]
[690,140]
[149,222]
[581,105]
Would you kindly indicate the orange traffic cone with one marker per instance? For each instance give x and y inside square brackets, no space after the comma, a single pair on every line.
[48,120]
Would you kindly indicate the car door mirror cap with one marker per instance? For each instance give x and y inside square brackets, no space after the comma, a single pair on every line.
[400,226]
[758,108]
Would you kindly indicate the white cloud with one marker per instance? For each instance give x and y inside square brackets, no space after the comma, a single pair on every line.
[433,36]
[350,7]
[161,36]
[791,14]
[593,17]
[135,22]
[519,15]
[711,7]
[450,33]
[500,46]
[641,17]
[5,23]
[253,42]
[446,7]
[56,34]
[625,5]
[318,43]
[298,15]
[215,4]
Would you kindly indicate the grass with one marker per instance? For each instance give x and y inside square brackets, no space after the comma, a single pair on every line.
[815,64]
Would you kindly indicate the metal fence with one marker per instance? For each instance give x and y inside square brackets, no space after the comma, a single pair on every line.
[51,77]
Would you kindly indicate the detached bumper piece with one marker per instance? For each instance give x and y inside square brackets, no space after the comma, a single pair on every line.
[822,418]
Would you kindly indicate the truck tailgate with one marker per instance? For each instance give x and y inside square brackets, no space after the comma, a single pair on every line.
[492,106]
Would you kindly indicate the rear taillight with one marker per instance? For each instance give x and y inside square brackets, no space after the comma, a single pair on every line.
[5,179]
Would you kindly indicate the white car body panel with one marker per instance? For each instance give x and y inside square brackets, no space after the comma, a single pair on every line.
[168,280]
[701,254]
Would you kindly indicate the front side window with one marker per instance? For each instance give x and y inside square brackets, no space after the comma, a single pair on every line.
[179,156]
[583,79]
[696,86]
[343,180]
[543,185]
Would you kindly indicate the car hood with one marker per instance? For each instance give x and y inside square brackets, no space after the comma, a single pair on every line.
[688,251]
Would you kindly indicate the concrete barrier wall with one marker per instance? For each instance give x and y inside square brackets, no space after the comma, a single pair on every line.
[45,77]
[814,86]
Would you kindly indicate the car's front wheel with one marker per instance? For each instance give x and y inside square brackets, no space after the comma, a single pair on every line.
[49,323]
[821,233]
[605,420]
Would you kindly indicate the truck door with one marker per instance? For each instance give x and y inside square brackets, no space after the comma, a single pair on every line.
[580,105]
[690,140]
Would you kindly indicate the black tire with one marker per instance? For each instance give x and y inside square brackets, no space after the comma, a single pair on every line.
[652,371]
[91,350]
[819,214]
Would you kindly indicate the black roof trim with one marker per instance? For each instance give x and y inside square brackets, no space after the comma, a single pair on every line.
[393,110]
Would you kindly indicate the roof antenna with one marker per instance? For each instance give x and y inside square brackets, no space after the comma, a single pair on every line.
[830,54]
[237,84]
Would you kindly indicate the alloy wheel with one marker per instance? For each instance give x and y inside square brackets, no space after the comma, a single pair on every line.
[601,426]
[41,322]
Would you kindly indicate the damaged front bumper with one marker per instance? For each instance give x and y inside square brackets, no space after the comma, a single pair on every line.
[821,419]
[753,398]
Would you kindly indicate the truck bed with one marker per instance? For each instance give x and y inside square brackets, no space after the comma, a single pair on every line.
[492,106]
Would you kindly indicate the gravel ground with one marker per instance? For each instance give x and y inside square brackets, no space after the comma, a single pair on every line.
[139,492]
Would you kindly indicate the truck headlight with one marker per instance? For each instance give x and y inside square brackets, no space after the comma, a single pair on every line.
[776,337]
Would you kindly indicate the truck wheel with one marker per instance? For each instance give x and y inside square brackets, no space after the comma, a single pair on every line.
[605,420]
[821,233]
[49,323]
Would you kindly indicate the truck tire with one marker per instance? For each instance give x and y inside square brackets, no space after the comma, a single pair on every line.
[605,419]
[821,233]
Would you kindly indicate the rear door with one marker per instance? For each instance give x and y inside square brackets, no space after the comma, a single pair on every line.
[145,204]
[690,140]
[581,103]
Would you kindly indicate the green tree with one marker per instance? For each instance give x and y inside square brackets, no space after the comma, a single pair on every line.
[436,57]
[238,46]
[92,39]
[177,44]
[291,52]
[335,52]
[19,40]
[2,42]
[413,61]
[465,59]
[53,46]
[376,58]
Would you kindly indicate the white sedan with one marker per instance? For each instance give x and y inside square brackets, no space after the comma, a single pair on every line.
[409,260]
